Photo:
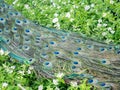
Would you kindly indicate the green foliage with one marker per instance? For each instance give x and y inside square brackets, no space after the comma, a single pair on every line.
[98,19]
[16,76]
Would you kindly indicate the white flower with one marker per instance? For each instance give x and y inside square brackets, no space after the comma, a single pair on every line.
[100,20]
[59,75]
[1,52]
[111,1]
[4,84]
[87,7]
[40,87]
[57,25]
[92,5]
[26,6]
[15,2]
[29,72]
[21,72]
[55,20]
[99,25]
[73,83]
[57,88]
[31,68]
[55,14]
[12,67]
[71,19]
[105,24]
[109,29]
[55,82]
[21,87]
[68,15]
[6,53]
[112,31]
[104,14]
[104,33]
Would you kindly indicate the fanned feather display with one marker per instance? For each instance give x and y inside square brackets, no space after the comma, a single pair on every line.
[51,51]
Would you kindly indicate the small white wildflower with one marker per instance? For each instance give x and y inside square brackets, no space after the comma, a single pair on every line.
[10,71]
[71,19]
[55,14]
[68,15]
[57,25]
[54,4]
[31,68]
[105,24]
[12,67]
[4,84]
[58,7]
[73,83]
[21,87]
[29,72]
[6,52]
[112,31]
[99,25]
[57,88]
[40,87]
[55,82]
[15,1]
[104,14]
[109,29]
[1,52]
[111,2]
[26,6]
[92,5]
[104,33]
[55,20]
[100,20]
[60,75]
[21,72]
[87,7]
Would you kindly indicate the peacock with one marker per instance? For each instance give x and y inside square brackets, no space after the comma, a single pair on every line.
[52,51]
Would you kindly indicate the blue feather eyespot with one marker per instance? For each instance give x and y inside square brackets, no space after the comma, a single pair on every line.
[76,53]
[118,52]
[18,22]
[56,52]
[7,41]
[75,62]
[30,59]
[110,47]
[27,30]
[37,38]
[1,31]
[14,29]
[52,43]
[10,13]
[102,49]
[81,75]
[1,19]
[103,61]
[26,47]
[90,81]
[78,40]
[79,48]
[102,84]
[25,21]
[47,65]
[73,67]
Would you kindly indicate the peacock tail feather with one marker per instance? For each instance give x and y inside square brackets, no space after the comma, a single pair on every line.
[52,51]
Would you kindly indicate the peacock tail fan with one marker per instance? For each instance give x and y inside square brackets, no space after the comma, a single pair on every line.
[52,51]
